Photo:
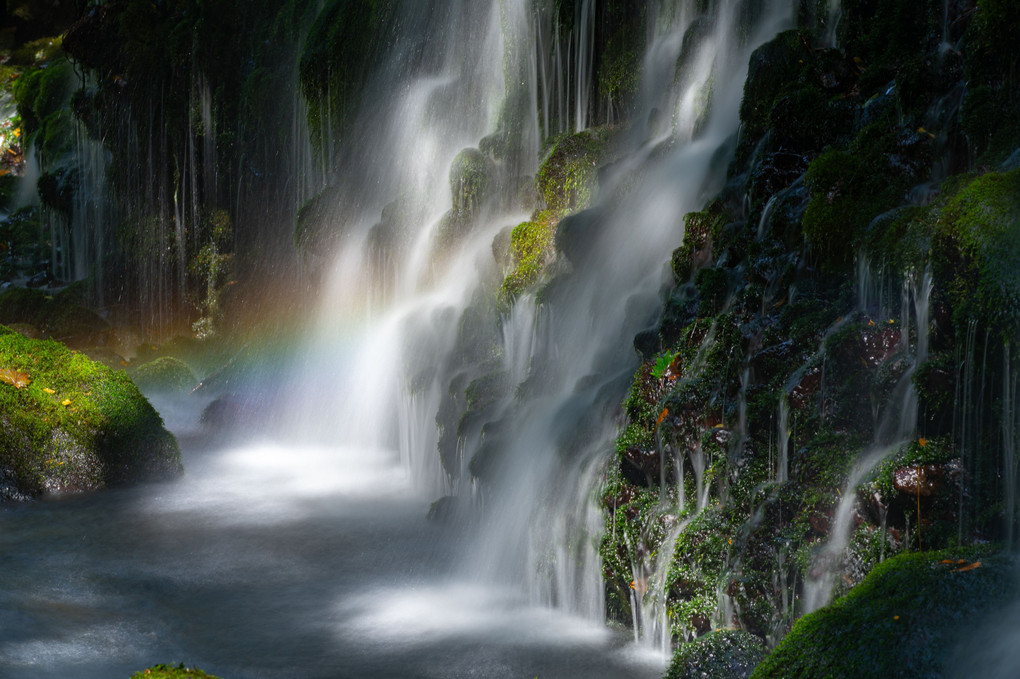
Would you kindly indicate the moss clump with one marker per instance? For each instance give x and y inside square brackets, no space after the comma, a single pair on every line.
[726,654]
[531,249]
[470,176]
[980,228]
[900,622]
[851,187]
[76,426]
[172,672]
[568,175]
[166,374]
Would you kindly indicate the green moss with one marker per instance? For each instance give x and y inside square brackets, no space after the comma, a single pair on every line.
[982,225]
[470,177]
[568,175]
[900,622]
[172,672]
[165,374]
[701,230]
[531,249]
[726,654]
[77,425]
[850,187]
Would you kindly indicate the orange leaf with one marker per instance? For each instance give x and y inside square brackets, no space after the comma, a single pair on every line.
[662,416]
[922,442]
[964,569]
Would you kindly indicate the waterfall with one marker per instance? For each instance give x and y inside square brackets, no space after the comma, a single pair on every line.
[524,399]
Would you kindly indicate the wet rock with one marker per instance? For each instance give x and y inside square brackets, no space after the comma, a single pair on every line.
[928,480]
[879,343]
[641,467]
[775,172]
[806,390]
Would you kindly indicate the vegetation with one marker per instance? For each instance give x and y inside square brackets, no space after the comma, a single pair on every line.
[70,424]
[900,622]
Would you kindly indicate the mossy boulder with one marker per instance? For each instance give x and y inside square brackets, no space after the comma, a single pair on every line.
[568,175]
[900,622]
[531,249]
[849,187]
[69,424]
[165,374]
[726,654]
[979,245]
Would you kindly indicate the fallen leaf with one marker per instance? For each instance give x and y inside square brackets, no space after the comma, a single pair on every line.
[66,402]
[16,378]
[964,569]
[48,390]
[922,442]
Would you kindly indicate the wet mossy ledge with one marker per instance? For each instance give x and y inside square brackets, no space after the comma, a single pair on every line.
[904,620]
[69,424]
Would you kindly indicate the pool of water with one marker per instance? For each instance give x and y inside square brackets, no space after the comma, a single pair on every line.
[270,560]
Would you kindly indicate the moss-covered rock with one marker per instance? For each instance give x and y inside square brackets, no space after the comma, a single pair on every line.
[165,374]
[979,239]
[726,654]
[568,175]
[531,248]
[70,424]
[900,622]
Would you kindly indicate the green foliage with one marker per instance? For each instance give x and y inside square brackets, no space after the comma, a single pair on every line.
[900,622]
[725,654]
[78,425]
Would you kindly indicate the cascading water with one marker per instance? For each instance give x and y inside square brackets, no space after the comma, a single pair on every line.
[896,426]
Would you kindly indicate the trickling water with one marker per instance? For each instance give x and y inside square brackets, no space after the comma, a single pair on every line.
[896,427]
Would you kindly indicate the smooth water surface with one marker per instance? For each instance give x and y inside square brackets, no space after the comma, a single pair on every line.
[269,560]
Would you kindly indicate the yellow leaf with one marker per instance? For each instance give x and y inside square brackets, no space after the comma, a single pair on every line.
[48,390]
[16,378]
[66,402]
